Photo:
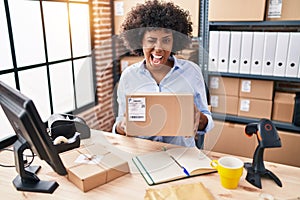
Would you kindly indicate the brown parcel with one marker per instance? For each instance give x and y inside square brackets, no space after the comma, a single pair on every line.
[283,107]
[255,108]
[165,114]
[236,10]
[224,104]
[224,85]
[289,11]
[87,176]
[256,89]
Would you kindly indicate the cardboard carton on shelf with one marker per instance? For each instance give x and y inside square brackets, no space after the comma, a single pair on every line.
[283,10]
[224,85]
[129,60]
[256,89]
[224,104]
[255,108]
[122,7]
[283,107]
[236,10]
[230,138]
[288,153]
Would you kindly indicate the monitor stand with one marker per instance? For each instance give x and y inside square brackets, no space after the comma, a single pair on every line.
[27,179]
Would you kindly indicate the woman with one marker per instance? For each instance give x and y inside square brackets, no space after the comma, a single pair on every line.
[157,30]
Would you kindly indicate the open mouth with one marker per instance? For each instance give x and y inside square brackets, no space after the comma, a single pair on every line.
[156,59]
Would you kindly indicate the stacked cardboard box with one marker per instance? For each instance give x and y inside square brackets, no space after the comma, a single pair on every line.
[283,107]
[241,97]
[122,7]
[255,98]
[129,60]
[230,138]
[236,10]
[283,10]
[224,93]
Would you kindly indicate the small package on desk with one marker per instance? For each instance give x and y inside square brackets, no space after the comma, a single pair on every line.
[91,166]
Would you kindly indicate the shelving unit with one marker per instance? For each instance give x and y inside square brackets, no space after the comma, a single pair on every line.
[251,76]
[263,26]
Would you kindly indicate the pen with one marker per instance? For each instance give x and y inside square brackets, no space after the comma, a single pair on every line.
[184,170]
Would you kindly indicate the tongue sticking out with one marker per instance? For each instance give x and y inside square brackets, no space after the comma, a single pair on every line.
[156,60]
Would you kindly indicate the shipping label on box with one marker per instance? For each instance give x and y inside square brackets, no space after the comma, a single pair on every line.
[91,166]
[282,10]
[274,9]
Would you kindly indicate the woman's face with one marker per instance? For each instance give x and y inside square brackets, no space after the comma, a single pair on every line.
[157,47]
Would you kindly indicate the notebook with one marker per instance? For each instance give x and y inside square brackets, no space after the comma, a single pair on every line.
[165,166]
[160,114]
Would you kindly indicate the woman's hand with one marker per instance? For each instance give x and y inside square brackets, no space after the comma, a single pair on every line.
[200,120]
[197,115]
[121,127]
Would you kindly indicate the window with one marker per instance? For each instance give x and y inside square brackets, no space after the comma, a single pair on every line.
[46,53]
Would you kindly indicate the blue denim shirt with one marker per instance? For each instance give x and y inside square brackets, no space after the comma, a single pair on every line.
[184,77]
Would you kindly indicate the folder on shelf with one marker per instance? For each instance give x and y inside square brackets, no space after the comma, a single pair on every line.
[224,42]
[213,50]
[269,53]
[246,50]
[299,70]
[281,53]
[257,53]
[235,50]
[165,166]
[293,57]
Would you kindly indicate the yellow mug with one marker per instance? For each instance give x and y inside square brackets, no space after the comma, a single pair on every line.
[230,170]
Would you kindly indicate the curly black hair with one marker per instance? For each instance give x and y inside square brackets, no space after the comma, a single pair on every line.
[154,14]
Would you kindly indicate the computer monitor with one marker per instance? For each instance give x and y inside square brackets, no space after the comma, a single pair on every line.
[31,134]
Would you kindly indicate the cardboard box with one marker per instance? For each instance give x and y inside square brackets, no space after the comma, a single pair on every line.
[288,10]
[255,108]
[288,153]
[230,138]
[122,7]
[129,60]
[224,104]
[256,89]
[236,10]
[91,166]
[163,114]
[224,85]
[283,107]
[189,54]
